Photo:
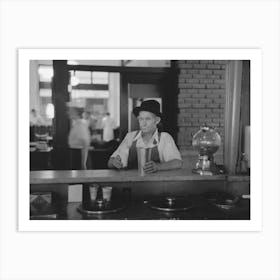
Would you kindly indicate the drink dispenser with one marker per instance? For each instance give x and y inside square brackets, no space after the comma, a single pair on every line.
[206,142]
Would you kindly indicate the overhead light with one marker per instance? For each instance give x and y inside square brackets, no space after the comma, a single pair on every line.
[74,80]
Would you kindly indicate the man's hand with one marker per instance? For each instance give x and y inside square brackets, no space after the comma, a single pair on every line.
[151,167]
[116,162]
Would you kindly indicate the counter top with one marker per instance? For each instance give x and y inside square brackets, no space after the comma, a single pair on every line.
[107,175]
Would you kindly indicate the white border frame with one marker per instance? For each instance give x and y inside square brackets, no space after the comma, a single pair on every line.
[25,55]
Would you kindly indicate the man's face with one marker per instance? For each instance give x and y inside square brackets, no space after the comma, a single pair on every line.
[147,121]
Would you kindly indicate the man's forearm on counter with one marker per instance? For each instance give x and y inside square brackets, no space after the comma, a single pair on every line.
[109,163]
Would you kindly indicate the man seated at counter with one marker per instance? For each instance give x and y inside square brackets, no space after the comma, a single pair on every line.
[164,153]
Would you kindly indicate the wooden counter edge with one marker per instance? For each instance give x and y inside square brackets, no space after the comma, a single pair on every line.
[78,177]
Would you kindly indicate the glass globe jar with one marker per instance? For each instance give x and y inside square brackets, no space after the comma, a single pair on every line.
[206,141]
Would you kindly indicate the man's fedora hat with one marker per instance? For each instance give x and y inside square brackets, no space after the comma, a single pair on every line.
[149,106]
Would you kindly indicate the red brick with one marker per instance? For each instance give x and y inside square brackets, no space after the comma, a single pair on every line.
[186,66]
[219,72]
[214,76]
[196,124]
[196,119]
[216,120]
[219,91]
[206,61]
[212,105]
[205,91]
[184,105]
[198,95]
[188,124]
[214,95]
[198,115]
[213,66]
[192,110]
[186,76]
[181,129]
[199,66]
[182,90]
[213,115]
[220,61]
[199,76]
[206,81]
[185,86]
[185,115]
[205,110]
[190,100]
[203,120]
[209,72]
[193,91]
[218,110]
[192,81]
[182,96]
[198,106]
[204,101]
[213,124]
[193,61]
[181,100]
[179,123]
[191,71]
[198,86]
[219,81]
[213,86]
[218,100]
[182,85]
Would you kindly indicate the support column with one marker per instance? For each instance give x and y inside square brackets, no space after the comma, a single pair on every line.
[60,96]
[232,114]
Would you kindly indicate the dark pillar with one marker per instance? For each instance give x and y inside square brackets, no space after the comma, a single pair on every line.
[170,100]
[60,96]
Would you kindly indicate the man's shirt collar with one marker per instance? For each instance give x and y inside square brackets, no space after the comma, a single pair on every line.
[155,137]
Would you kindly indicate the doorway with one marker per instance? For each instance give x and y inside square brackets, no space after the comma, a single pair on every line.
[139,86]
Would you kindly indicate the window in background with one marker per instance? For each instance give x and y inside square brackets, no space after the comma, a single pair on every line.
[45,73]
[92,89]
[100,78]
[84,77]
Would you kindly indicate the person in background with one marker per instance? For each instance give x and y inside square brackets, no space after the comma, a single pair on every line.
[108,125]
[89,120]
[79,136]
[164,153]
[36,119]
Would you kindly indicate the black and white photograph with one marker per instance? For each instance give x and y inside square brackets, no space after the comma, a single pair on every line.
[139,139]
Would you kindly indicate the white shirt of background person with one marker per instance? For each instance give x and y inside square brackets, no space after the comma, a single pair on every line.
[108,125]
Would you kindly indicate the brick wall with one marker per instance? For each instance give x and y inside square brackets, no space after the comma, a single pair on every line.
[201,98]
